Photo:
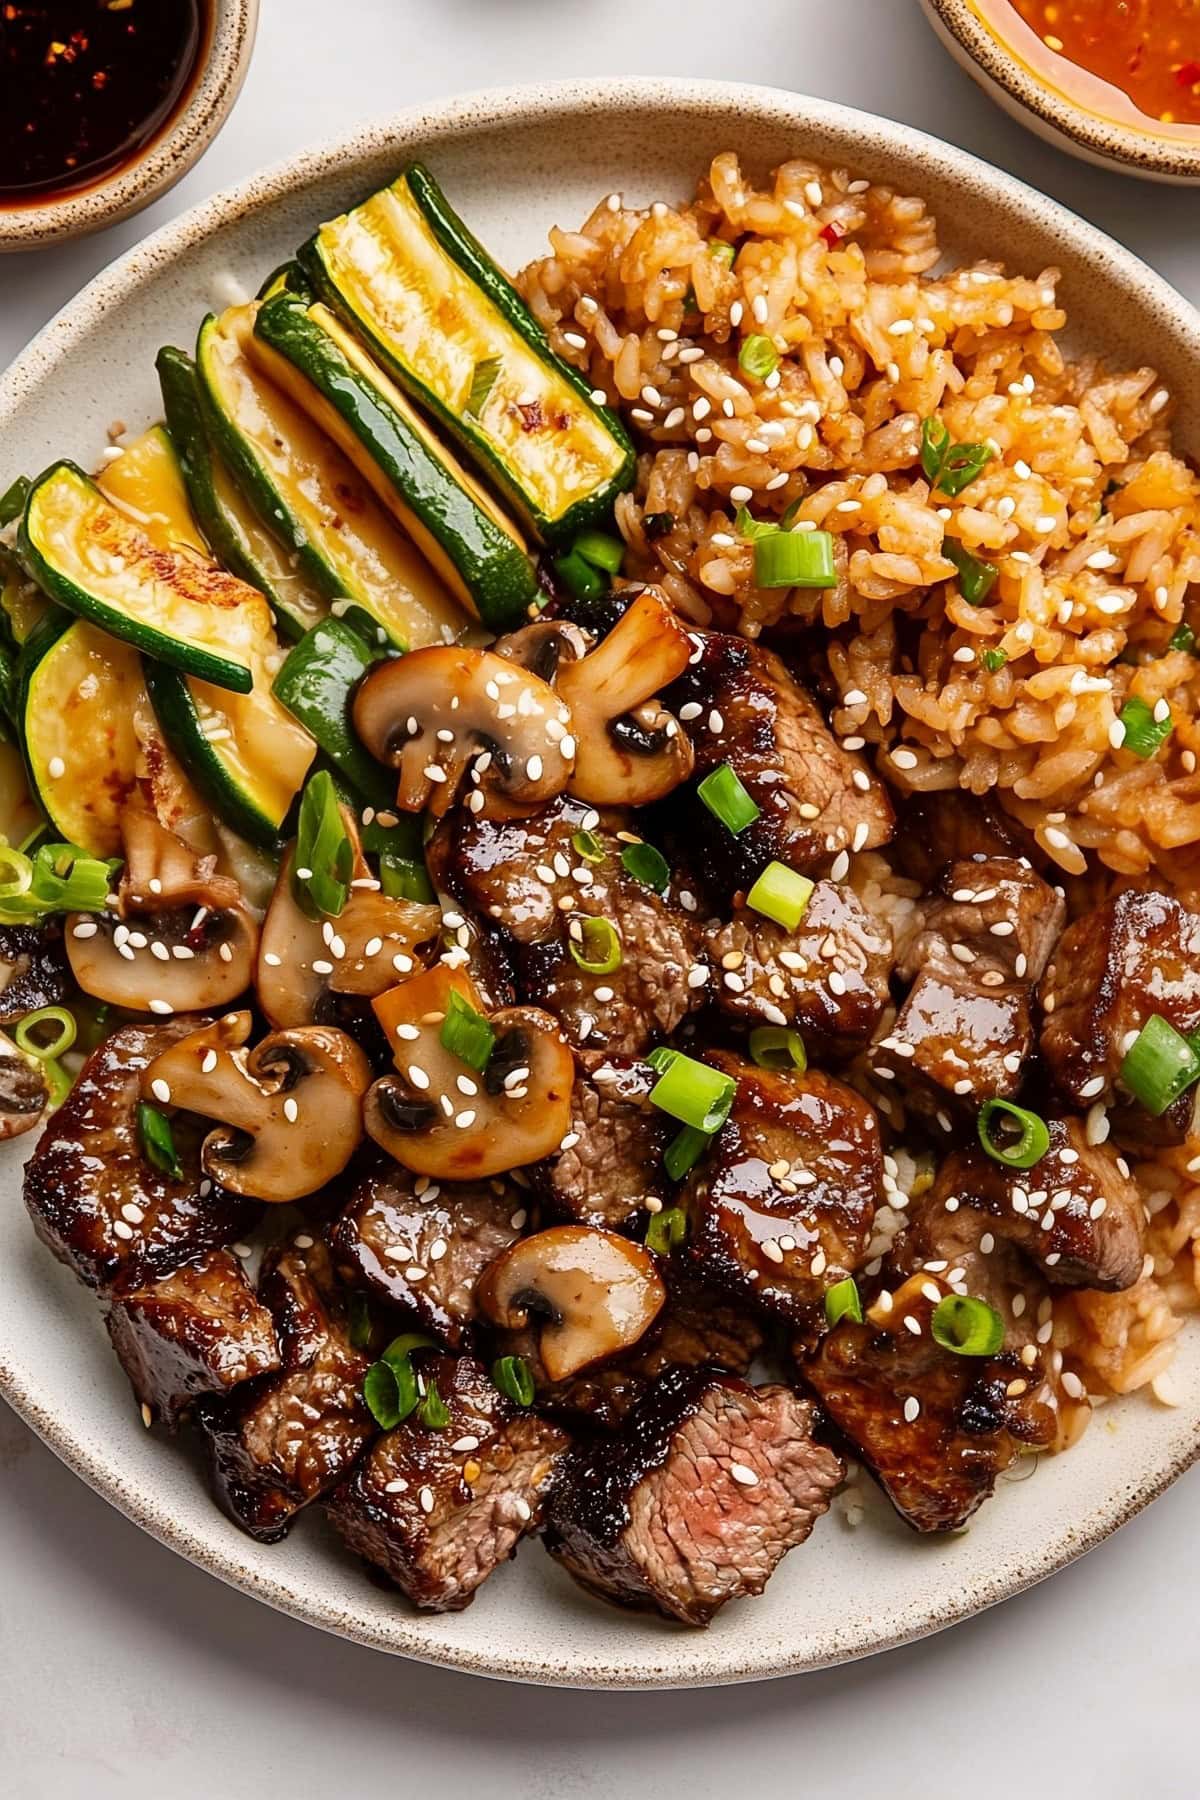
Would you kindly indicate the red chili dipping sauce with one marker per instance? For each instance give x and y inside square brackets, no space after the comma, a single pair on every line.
[1148,49]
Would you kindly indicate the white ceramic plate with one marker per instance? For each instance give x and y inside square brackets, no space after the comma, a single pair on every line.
[516,162]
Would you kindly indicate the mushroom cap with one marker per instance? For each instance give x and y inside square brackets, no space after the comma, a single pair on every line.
[629,750]
[290,1109]
[24,1094]
[446,707]
[439,1115]
[596,1292]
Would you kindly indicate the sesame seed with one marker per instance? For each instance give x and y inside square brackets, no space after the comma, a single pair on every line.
[743,1474]
[1091,1088]
[741,495]
[912,1409]
[56,768]
[425,1499]
[164,1006]
[161,1090]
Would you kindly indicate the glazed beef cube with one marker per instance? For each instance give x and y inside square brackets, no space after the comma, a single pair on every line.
[199,1330]
[612,1166]
[1137,955]
[707,1487]
[993,922]
[529,883]
[283,1440]
[423,1245]
[952,826]
[438,1510]
[742,706]
[33,969]
[94,1199]
[781,1206]
[828,978]
[954,1045]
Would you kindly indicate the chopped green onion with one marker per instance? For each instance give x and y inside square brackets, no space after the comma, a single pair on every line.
[935,441]
[694,1094]
[513,1376]
[403,878]
[727,799]
[386,1402]
[402,1347]
[46,1049]
[975,578]
[59,1082]
[598,952]
[157,1140]
[684,1151]
[781,894]
[58,878]
[750,528]
[777,1047]
[466,1033]
[1029,1147]
[483,380]
[647,865]
[960,465]
[722,251]
[434,1413]
[801,559]
[1182,638]
[584,581]
[324,854]
[358,1325]
[1144,734]
[601,550]
[666,1230]
[967,1326]
[993,660]
[842,1302]
[1160,1065]
[758,357]
[661,1057]
[588,846]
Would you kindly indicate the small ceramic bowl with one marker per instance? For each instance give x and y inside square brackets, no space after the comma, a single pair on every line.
[1111,134]
[189,131]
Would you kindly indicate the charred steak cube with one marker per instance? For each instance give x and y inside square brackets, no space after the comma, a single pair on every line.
[817,801]
[706,1488]
[612,1167]
[781,1206]
[94,1199]
[952,826]
[422,1245]
[994,921]
[828,978]
[438,1510]
[283,1440]
[199,1330]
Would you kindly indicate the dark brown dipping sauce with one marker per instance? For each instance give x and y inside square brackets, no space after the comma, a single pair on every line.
[86,84]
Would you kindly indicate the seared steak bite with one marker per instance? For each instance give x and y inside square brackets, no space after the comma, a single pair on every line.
[95,1200]
[828,978]
[706,1488]
[995,919]
[612,1166]
[951,826]
[781,1206]
[527,880]
[33,969]
[422,1245]
[283,1440]
[438,1509]
[816,800]
[199,1330]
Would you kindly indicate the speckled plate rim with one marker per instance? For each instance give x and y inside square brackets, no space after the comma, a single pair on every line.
[727,105]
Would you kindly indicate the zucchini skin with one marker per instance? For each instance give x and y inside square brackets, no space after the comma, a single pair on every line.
[495,571]
[186,429]
[316,684]
[181,727]
[463,248]
[190,658]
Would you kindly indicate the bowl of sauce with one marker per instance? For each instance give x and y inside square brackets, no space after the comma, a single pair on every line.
[107,103]
[1116,82]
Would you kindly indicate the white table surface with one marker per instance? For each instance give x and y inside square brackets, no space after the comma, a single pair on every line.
[125,1674]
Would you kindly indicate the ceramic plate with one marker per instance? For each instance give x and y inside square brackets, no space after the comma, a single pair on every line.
[516,162]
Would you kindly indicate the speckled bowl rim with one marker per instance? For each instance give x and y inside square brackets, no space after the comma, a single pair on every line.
[1138,151]
[727,104]
[167,158]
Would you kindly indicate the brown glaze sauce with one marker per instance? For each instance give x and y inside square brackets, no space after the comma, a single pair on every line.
[85,85]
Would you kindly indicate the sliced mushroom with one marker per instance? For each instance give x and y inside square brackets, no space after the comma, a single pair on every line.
[629,750]
[439,1115]
[362,951]
[435,713]
[23,1091]
[544,648]
[594,1293]
[180,938]
[291,1108]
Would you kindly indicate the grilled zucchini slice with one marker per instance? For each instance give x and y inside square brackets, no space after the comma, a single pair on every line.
[427,300]
[146,483]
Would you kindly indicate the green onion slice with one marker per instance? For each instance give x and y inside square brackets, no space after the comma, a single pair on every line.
[58,878]
[1182,638]
[1032,1141]
[483,380]
[31,1033]
[403,878]
[758,357]
[1144,734]
[722,251]
[694,1094]
[59,1082]
[434,1413]
[967,1326]
[587,846]
[935,441]
[666,1230]
[157,1140]
[513,1376]
[975,578]
[647,865]
[684,1151]
[324,854]
[599,952]
[1160,1065]
[381,1390]
[781,894]
[751,529]
[727,799]
[466,1033]
[960,465]
[842,1302]
[993,660]
[584,580]
[777,1047]
[802,559]
[600,550]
